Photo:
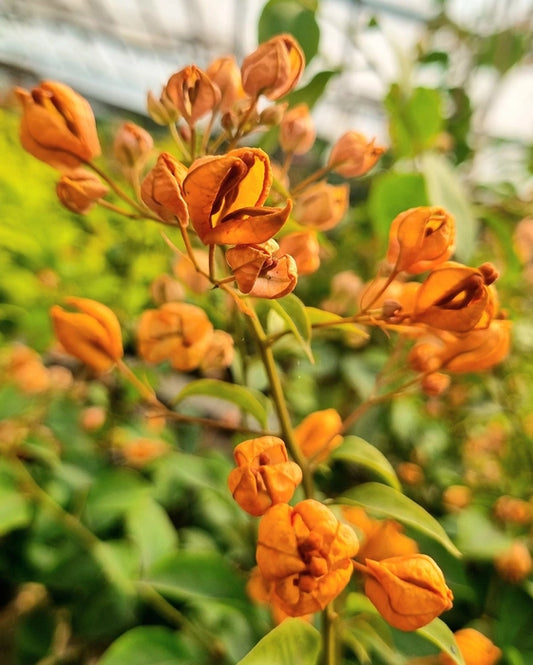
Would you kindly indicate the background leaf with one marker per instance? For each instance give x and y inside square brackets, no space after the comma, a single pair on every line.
[147,645]
[296,17]
[439,633]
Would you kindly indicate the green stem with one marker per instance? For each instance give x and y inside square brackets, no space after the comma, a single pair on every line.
[118,191]
[185,154]
[329,641]
[280,404]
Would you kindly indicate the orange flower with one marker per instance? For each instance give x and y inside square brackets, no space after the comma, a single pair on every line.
[226,75]
[321,206]
[304,248]
[220,352]
[456,297]
[260,591]
[319,434]
[178,332]
[473,351]
[132,145]
[25,367]
[515,563]
[162,190]
[279,280]
[274,68]
[353,155]
[141,451]
[92,335]
[192,93]
[225,193]
[58,125]
[475,648]
[420,239]
[305,552]
[297,131]
[456,497]
[380,539]
[511,510]
[264,475]
[79,190]
[408,591]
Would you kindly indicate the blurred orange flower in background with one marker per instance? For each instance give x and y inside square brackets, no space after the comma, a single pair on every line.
[319,434]
[296,130]
[353,155]
[92,335]
[264,475]
[305,553]
[57,125]
[321,206]
[178,332]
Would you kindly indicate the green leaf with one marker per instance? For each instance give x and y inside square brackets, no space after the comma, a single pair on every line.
[296,17]
[311,93]
[250,401]
[15,511]
[147,645]
[150,528]
[111,495]
[415,120]
[478,537]
[358,451]
[293,641]
[390,194]
[196,575]
[445,189]
[385,501]
[439,634]
[294,314]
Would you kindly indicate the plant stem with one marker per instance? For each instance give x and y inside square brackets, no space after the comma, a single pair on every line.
[281,404]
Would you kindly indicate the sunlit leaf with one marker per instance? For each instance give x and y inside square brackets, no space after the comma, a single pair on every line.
[311,93]
[293,641]
[439,633]
[250,401]
[320,318]
[147,645]
[358,451]
[384,501]
[151,530]
[294,315]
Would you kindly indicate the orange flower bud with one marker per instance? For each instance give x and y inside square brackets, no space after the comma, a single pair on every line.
[25,367]
[264,475]
[132,145]
[321,206]
[274,68]
[79,190]
[435,384]
[192,93]
[420,239]
[353,155]
[456,497]
[511,510]
[92,335]
[224,194]
[220,352]
[57,126]
[165,289]
[93,418]
[304,248]
[297,131]
[410,474]
[408,591]
[475,648]
[248,261]
[162,190]
[454,297]
[318,434]
[278,280]
[226,75]
[141,451]
[305,552]
[515,563]
[161,110]
[178,332]
[345,289]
